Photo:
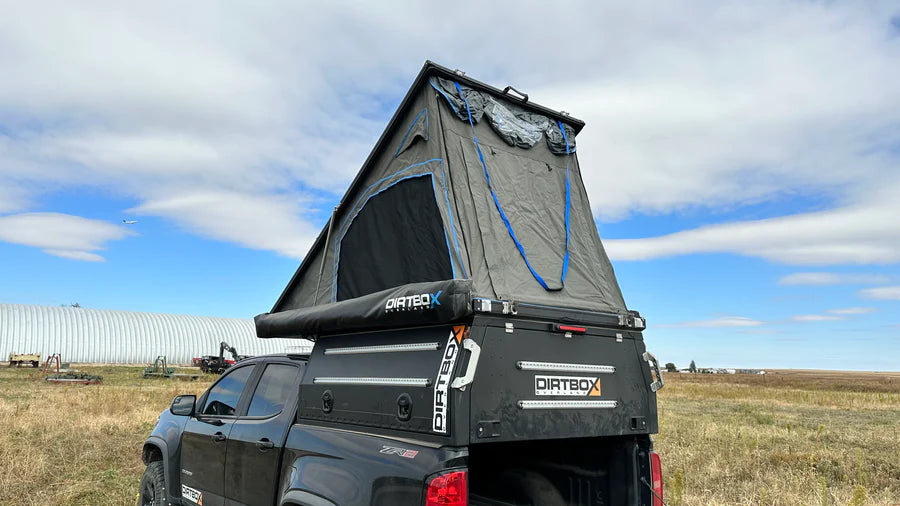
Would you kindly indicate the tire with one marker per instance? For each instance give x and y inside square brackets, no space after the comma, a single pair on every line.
[152,491]
[34,364]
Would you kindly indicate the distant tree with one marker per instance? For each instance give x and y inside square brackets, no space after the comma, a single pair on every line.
[692,367]
[670,367]
[76,305]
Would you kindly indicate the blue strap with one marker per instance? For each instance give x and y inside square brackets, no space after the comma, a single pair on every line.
[500,209]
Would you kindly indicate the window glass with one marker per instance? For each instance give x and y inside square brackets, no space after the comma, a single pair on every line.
[275,387]
[224,397]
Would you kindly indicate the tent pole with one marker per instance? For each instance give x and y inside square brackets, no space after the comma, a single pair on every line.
[324,254]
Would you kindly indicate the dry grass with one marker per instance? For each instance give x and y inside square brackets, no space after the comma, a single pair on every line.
[789,438]
[78,444]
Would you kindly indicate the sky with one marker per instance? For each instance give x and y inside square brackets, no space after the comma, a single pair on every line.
[742,158]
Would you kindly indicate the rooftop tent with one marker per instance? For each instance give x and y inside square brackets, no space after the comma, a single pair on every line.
[471,192]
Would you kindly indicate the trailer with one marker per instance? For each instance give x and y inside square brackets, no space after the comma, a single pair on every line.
[20,359]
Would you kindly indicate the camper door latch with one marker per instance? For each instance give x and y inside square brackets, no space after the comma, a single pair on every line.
[469,376]
[658,384]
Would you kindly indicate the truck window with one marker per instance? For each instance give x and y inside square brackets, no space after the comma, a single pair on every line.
[277,383]
[224,396]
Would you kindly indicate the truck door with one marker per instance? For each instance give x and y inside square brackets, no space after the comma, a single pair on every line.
[257,436]
[205,437]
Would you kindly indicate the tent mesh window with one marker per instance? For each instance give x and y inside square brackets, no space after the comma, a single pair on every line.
[401,228]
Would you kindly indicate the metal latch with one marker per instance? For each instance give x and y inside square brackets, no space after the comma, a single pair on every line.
[658,384]
[469,376]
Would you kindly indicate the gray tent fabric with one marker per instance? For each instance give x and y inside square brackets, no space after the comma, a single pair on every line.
[513,210]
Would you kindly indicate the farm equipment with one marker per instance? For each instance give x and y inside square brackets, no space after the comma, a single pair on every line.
[218,364]
[68,377]
[160,369]
[20,359]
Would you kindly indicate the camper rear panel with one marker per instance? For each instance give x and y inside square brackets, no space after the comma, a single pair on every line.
[536,381]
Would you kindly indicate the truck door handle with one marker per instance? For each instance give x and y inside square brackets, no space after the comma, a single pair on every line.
[264,445]
[218,437]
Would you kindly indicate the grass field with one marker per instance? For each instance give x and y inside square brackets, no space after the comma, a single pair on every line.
[786,438]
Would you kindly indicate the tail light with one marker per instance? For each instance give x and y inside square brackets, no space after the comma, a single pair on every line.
[656,479]
[451,489]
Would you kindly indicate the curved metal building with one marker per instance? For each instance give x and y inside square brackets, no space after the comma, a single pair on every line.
[126,337]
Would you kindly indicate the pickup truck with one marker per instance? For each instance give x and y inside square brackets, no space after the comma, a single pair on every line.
[298,430]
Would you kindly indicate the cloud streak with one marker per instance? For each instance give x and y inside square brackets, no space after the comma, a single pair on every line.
[881,293]
[724,321]
[61,235]
[832,278]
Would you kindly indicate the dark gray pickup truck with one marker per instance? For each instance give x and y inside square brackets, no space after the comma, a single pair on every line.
[505,410]
[472,345]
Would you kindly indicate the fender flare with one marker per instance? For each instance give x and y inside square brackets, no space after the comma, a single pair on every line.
[163,448]
[304,498]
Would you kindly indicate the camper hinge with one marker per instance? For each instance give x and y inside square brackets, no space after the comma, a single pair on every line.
[509,328]
[509,307]
[482,305]
[469,376]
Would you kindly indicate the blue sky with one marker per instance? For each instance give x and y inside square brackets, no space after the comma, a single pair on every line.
[745,176]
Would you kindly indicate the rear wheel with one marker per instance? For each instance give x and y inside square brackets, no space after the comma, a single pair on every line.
[153,485]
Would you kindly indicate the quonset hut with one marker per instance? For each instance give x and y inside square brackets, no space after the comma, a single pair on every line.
[125,337]
[471,193]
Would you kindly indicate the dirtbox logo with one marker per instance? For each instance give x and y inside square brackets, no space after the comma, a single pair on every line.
[578,386]
[413,302]
[442,383]
[192,494]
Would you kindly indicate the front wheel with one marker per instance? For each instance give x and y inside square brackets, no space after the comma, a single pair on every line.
[153,485]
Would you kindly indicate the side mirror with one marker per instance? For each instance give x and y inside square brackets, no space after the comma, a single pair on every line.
[183,405]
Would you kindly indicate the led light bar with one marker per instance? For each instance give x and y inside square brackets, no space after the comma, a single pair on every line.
[568,404]
[384,348]
[561,367]
[393,382]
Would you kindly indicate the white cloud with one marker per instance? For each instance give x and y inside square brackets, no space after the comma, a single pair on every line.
[832,278]
[881,292]
[853,310]
[724,321]
[61,235]
[862,233]
[229,104]
[815,318]
[263,222]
